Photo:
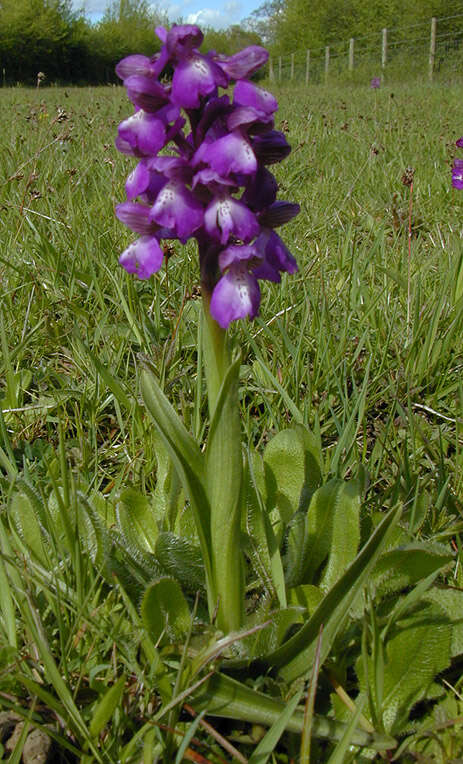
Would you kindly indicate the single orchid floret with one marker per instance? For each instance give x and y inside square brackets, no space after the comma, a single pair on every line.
[194,77]
[237,293]
[459,143]
[178,209]
[226,217]
[230,155]
[254,108]
[457,174]
[143,257]
[145,134]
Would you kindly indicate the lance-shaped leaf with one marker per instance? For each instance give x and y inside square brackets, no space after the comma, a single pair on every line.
[188,462]
[227,698]
[295,657]
[224,469]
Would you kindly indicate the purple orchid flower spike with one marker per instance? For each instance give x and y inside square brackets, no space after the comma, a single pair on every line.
[375,83]
[212,181]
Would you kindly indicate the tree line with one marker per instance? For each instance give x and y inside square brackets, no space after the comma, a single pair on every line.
[48,36]
[289,25]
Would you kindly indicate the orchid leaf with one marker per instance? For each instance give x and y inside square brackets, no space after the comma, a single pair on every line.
[167,497]
[263,751]
[417,649]
[187,460]
[181,558]
[451,602]
[262,543]
[400,568]
[327,535]
[24,517]
[224,469]
[225,697]
[292,464]
[335,522]
[295,657]
[136,519]
[165,611]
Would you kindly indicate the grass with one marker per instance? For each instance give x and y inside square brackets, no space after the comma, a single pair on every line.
[364,345]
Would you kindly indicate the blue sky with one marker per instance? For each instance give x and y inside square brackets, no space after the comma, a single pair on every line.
[215,13]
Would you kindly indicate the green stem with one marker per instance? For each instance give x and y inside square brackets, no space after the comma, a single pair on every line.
[224,468]
[217,355]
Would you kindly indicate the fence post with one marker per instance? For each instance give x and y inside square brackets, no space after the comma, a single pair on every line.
[307,67]
[384,49]
[351,54]
[279,68]
[271,74]
[432,47]
[327,62]
[292,66]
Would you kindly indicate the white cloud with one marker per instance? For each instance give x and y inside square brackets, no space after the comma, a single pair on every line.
[218,18]
[225,12]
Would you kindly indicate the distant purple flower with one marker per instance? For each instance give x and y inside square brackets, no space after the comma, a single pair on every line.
[375,83]
[457,174]
[459,143]
[211,181]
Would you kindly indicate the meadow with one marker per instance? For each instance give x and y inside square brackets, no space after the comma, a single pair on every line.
[364,345]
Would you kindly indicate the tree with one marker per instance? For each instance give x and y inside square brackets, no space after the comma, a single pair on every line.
[33,37]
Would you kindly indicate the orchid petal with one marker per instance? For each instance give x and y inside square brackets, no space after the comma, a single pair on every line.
[136,64]
[144,132]
[276,256]
[278,213]
[271,147]
[182,38]
[178,209]
[146,93]
[137,217]
[194,77]
[244,63]
[226,216]
[230,154]
[248,94]
[236,295]
[143,257]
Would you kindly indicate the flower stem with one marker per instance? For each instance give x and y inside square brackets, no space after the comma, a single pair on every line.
[217,355]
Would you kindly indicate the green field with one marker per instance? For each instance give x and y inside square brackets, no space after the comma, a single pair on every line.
[364,345]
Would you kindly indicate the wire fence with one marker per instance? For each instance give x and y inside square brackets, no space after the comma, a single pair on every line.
[426,49]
